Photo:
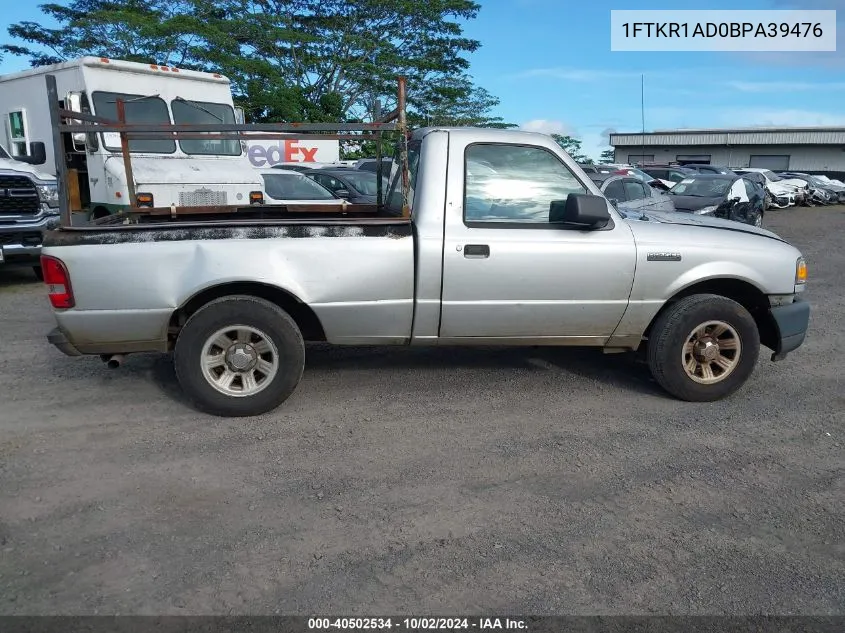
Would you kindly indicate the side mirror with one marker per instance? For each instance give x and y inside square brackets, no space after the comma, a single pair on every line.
[342,193]
[735,199]
[240,117]
[585,210]
[37,154]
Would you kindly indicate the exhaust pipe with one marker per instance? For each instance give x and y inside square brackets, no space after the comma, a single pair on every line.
[113,361]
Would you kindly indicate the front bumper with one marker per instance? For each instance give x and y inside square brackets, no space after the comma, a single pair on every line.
[791,323]
[20,241]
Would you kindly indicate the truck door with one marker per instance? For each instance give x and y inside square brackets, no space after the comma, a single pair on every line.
[508,273]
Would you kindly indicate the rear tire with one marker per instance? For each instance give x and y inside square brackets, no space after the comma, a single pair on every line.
[703,348]
[239,356]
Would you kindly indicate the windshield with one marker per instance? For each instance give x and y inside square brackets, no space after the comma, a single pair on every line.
[770,175]
[139,109]
[193,112]
[702,187]
[294,187]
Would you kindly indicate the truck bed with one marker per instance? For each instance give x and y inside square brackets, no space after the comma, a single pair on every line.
[132,283]
[219,229]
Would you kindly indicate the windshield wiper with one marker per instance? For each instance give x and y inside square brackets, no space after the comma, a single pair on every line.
[199,107]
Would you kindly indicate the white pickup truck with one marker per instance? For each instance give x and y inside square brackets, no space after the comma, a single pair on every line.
[508,243]
[29,205]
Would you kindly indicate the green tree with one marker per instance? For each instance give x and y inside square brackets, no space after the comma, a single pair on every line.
[150,31]
[288,60]
[573,148]
[607,156]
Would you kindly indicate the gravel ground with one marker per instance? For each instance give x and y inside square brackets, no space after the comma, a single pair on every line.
[427,481]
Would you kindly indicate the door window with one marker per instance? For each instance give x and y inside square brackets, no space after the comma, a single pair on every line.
[517,185]
[16,130]
[749,188]
[738,191]
[615,191]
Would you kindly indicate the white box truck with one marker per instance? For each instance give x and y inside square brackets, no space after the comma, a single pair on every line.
[183,172]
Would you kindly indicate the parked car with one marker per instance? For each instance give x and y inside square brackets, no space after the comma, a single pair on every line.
[544,260]
[631,195]
[670,174]
[706,168]
[282,185]
[722,196]
[760,180]
[835,193]
[784,192]
[657,183]
[360,187]
[371,164]
[815,196]
[597,168]
[832,181]
[309,166]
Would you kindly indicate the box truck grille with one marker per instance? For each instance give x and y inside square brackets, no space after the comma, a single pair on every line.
[18,196]
[202,198]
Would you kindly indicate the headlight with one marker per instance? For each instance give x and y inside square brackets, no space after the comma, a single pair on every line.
[705,210]
[800,272]
[49,194]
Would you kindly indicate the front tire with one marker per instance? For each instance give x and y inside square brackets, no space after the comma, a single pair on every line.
[239,356]
[703,348]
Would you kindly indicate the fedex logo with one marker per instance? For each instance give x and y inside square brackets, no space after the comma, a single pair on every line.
[292,151]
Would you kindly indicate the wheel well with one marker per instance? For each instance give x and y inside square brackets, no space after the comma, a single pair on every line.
[301,313]
[744,293]
[100,212]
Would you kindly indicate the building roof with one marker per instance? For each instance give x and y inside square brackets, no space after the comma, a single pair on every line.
[736,136]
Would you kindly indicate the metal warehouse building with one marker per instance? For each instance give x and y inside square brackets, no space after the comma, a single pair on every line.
[816,150]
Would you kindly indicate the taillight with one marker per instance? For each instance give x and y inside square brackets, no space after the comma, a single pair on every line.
[58,282]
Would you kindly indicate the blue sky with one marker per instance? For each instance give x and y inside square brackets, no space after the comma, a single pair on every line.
[550,64]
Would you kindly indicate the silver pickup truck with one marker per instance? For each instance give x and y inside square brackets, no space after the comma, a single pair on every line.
[508,243]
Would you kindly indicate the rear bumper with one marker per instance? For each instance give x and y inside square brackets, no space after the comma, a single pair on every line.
[791,322]
[58,339]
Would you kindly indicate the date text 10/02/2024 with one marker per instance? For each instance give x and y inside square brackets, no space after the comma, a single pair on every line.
[415,624]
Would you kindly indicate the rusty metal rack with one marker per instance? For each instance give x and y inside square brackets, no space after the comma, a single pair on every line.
[65,121]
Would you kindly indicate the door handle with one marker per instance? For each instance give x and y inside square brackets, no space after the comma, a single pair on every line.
[476,251]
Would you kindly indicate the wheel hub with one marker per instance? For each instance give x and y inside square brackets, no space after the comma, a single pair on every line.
[711,353]
[241,357]
[706,350]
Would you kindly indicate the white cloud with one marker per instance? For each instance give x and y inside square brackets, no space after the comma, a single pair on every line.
[784,86]
[547,127]
[580,74]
